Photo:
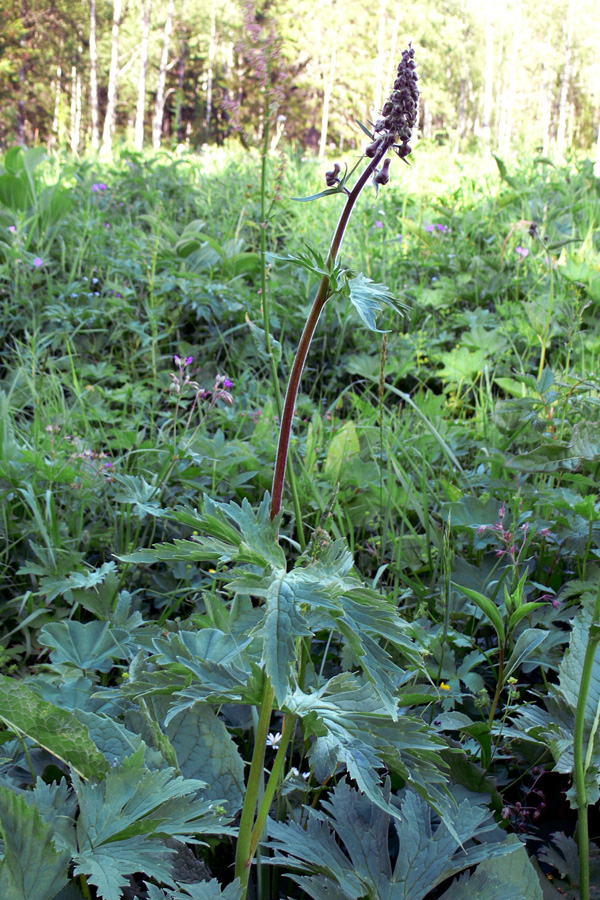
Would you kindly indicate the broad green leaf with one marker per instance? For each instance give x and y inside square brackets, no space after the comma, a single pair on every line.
[342,447]
[204,890]
[281,627]
[55,729]
[205,750]
[527,642]
[429,851]
[367,298]
[32,866]
[108,866]
[89,645]
[143,497]
[488,607]
[515,870]
[525,610]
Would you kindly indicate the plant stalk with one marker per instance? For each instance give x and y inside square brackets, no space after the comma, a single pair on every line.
[243,857]
[323,295]
[579,768]
[272,784]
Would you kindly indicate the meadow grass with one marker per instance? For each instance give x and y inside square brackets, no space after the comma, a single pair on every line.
[456,456]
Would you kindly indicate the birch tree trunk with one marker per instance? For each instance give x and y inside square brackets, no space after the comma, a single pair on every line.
[212,45]
[327,93]
[75,108]
[379,63]
[565,83]
[56,117]
[488,94]
[514,73]
[162,78]
[145,11]
[179,129]
[113,82]
[94,78]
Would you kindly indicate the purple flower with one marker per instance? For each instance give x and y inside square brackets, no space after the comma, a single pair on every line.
[38,261]
[12,228]
[378,224]
[442,228]
[227,383]
[522,251]
[430,228]
[100,186]
[188,360]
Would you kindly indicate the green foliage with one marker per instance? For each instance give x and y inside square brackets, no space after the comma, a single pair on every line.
[427,853]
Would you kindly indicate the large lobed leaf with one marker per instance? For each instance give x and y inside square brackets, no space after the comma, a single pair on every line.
[429,851]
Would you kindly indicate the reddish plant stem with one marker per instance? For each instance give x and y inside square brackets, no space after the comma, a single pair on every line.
[323,295]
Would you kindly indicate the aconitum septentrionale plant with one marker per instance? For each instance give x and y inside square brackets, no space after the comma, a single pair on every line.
[391,132]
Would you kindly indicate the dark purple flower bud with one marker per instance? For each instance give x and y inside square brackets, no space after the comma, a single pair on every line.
[331,177]
[373,148]
[383,175]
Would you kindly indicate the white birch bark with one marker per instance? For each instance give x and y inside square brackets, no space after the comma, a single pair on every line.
[327,94]
[113,82]
[145,12]
[488,93]
[162,78]
[94,79]
[514,73]
[56,117]
[563,110]
[75,109]
[212,45]
[379,63]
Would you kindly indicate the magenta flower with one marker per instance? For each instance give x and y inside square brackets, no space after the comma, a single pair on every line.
[430,228]
[378,224]
[38,261]
[522,251]
[442,228]
[12,228]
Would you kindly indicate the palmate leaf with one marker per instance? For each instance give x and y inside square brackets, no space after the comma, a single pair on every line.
[205,890]
[32,865]
[353,729]
[429,852]
[205,750]
[109,866]
[124,819]
[228,532]
[57,730]
[367,298]
[90,645]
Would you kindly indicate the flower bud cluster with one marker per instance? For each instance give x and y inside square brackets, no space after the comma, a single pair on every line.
[400,110]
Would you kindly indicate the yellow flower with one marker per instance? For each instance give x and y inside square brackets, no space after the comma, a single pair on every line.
[212,571]
[445,687]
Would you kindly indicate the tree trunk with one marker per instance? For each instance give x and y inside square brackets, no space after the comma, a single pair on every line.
[565,83]
[56,117]
[514,73]
[94,78]
[597,163]
[212,45]
[146,8]
[488,94]
[162,78]
[327,93]
[379,63]
[113,82]
[75,108]
[179,127]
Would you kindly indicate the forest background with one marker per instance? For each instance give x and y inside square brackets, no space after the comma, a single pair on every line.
[83,74]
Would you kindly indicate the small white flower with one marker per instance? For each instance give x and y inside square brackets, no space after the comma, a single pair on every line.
[273,740]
